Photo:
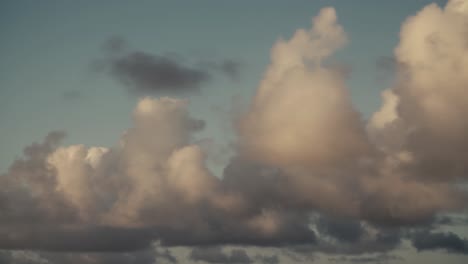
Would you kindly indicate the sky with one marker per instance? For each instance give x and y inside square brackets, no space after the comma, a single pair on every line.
[315,131]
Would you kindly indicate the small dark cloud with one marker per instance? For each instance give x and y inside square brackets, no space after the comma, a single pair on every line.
[146,72]
[450,242]
[143,72]
[216,255]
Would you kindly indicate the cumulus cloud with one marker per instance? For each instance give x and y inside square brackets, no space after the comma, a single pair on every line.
[300,101]
[422,120]
[429,98]
[302,122]
[143,72]
[153,186]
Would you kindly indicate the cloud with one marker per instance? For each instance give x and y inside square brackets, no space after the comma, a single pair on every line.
[273,259]
[153,186]
[371,240]
[308,174]
[216,255]
[75,239]
[445,241]
[421,122]
[144,73]
[148,72]
[302,123]
[347,230]
[379,258]
[301,100]
[429,102]
[150,256]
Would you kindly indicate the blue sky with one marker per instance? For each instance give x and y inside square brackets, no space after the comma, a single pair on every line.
[47,48]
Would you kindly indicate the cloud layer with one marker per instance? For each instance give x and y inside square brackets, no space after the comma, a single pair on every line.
[309,172]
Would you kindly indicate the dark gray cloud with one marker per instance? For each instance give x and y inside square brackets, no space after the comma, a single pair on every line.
[78,239]
[449,241]
[143,72]
[216,255]
[377,259]
[344,229]
[345,242]
[222,231]
[150,256]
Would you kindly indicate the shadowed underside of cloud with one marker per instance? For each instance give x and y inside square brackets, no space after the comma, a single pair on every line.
[145,73]
[234,256]
[379,258]
[444,241]
[139,257]
[309,174]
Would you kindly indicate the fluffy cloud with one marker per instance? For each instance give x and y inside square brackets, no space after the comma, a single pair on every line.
[153,186]
[422,119]
[428,102]
[302,122]
[300,101]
